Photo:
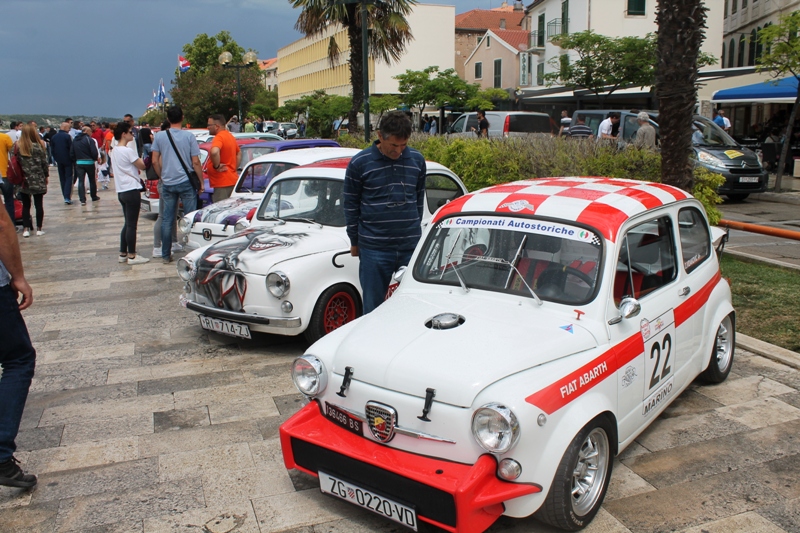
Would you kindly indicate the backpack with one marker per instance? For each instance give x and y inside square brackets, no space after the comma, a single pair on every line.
[15,175]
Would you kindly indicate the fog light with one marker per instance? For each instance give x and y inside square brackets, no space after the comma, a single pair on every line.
[287,307]
[509,469]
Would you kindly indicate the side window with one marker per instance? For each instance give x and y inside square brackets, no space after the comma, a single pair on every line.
[440,189]
[458,126]
[478,70]
[695,239]
[630,127]
[646,260]
[472,122]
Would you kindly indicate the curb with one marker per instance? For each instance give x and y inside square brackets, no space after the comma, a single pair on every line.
[770,351]
[758,259]
[781,198]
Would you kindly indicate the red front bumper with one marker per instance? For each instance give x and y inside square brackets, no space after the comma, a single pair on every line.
[477,493]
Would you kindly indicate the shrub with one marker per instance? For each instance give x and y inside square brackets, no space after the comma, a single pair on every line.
[705,190]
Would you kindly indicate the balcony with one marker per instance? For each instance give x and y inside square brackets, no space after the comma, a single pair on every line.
[557,27]
[537,41]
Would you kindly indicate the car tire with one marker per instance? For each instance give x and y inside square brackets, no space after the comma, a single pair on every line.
[737,197]
[584,469]
[337,306]
[722,352]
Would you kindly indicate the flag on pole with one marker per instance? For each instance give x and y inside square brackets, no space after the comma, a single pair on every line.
[183,64]
[162,94]
[151,105]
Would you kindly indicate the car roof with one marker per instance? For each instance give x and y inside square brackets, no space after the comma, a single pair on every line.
[305,156]
[602,203]
[241,142]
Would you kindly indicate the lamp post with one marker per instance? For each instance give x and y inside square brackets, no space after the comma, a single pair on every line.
[225,59]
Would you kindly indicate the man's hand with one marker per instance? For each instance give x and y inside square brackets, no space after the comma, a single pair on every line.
[21,286]
[222,168]
[354,251]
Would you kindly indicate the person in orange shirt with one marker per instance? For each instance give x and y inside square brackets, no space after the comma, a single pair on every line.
[6,146]
[225,159]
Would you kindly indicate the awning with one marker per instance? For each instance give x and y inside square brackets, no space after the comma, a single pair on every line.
[783,91]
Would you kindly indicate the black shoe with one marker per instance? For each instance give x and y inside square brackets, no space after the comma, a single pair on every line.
[11,475]
[96,199]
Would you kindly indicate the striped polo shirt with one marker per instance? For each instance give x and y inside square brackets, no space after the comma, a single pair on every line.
[384,199]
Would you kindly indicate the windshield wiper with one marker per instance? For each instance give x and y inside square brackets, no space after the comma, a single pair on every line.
[447,262]
[521,277]
[301,219]
[272,217]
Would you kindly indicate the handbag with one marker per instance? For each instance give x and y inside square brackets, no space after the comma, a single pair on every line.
[194,179]
[15,175]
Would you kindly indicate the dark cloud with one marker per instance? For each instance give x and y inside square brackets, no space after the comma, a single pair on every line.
[105,57]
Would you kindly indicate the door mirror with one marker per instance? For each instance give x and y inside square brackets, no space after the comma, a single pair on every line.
[628,308]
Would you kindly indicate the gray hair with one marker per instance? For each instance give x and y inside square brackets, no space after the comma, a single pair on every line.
[395,123]
[643,117]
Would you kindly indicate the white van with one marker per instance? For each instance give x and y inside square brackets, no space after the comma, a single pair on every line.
[505,124]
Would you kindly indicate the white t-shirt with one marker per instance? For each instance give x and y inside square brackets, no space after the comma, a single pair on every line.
[605,128]
[727,123]
[126,175]
[15,135]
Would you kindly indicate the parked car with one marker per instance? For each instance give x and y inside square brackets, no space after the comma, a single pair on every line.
[714,149]
[504,124]
[539,329]
[287,130]
[291,271]
[215,222]
[244,135]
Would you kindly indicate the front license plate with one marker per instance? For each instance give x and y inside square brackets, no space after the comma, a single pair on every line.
[144,207]
[226,328]
[748,179]
[368,500]
[344,419]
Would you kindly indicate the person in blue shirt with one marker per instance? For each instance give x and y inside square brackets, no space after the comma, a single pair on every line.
[384,194]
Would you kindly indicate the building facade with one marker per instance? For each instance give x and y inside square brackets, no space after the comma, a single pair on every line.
[495,61]
[473,25]
[742,20]
[304,66]
[269,73]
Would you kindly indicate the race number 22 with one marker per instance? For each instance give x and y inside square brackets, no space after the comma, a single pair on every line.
[659,343]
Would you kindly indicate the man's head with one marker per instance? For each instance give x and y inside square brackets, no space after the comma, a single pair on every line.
[481,114]
[614,116]
[175,115]
[393,133]
[93,125]
[87,130]
[564,113]
[581,119]
[721,112]
[216,123]
[68,121]
[129,119]
[13,124]
[65,126]
[643,118]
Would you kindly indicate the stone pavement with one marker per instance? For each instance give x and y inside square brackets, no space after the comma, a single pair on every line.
[139,421]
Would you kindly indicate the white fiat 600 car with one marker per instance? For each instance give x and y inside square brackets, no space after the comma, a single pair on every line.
[218,220]
[291,271]
[539,328]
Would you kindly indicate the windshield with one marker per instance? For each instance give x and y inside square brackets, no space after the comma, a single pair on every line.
[706,133]
[307,199]
[509,254]
[257,176]
[251,152]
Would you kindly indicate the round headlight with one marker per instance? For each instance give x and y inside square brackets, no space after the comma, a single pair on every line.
[242,224]
[278,284]
[185,225]
[308,375]
[495,428]
[187,270]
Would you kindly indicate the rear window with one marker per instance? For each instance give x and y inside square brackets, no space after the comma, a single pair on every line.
[529,124]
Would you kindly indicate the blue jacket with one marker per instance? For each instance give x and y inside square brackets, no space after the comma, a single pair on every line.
[61,145]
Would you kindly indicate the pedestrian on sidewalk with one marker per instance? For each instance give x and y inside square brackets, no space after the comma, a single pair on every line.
[226,156]
[84,154]
[17,356]
[6,187]
[127,164]
[33,160]
[61,144]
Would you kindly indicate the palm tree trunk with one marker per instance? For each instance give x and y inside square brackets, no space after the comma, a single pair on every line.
[680,34]
[356,66]
[787,141]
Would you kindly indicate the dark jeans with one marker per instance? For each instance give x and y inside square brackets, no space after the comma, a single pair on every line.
[18,359]
[26,210]
[65,177]
[8,197]
[83,171]
[375,269]
[131,203]
[170,195]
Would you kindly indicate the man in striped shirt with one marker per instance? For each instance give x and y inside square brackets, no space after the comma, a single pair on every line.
[384,194]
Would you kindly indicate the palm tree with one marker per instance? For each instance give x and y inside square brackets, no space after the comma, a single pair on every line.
[388,37]
[680,35]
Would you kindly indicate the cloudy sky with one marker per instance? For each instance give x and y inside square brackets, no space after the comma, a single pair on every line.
[105,57]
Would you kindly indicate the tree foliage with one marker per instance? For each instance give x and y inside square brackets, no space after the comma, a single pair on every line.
[208,88]
[322,110]
[420,88]
[781,58]
[388,36]
[379,105]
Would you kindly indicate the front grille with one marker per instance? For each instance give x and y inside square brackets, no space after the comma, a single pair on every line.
[745,171]
[429,502]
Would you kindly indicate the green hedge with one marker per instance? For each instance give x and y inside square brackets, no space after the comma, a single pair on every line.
[484,162]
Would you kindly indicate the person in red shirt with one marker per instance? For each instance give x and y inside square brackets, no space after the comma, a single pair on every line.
[225,158]
[98,134]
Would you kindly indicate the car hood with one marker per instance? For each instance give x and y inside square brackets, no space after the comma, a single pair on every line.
[227,211]
[257,250]
[393,348]
[730,155]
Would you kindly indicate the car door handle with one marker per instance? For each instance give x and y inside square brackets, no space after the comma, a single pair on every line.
[684,291]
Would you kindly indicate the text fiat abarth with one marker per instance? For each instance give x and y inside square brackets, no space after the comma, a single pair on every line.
[291,271]
[540,327]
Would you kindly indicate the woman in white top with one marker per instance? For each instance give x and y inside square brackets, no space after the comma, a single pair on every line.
[127,164]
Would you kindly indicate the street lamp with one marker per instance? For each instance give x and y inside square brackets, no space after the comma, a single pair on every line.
[249,58]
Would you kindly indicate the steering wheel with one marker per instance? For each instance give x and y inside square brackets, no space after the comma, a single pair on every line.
[552,282]
[476,250]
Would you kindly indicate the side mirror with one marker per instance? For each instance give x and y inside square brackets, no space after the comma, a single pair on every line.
[628,308]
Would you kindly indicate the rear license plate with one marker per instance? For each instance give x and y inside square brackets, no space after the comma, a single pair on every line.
[748,179]
[368,500]
[226,328]
[344,419]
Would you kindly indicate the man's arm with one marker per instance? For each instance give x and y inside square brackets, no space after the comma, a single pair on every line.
[12,260]
[238,157]
[156,161]
[352,205]
[215,153]
[198,168]
[421,182]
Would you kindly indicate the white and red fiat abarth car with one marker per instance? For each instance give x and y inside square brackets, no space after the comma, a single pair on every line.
[539,328]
